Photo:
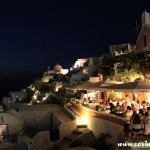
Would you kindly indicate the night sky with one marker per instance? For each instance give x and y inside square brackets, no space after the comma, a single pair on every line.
[35,34]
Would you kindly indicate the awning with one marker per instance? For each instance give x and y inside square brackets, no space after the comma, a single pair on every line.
[128,87]
[90,85]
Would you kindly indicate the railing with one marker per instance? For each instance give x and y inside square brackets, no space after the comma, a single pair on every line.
[110,117]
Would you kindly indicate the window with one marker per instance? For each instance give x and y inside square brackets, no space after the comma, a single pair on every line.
[4,132]
[145,41]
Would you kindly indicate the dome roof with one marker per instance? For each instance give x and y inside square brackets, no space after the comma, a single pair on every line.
[57,67]
[14,120]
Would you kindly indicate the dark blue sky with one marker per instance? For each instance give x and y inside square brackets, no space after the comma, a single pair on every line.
[35,34]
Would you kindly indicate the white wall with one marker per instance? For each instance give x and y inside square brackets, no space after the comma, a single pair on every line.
[40,118]
[98,125]
[20,94]
[67,128]
[46,78]
[41,140]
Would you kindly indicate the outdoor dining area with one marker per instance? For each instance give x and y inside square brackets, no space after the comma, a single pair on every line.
[127,100]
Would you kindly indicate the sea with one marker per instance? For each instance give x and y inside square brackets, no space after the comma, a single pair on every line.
[11,82]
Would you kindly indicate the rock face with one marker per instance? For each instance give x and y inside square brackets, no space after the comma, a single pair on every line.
[87,139]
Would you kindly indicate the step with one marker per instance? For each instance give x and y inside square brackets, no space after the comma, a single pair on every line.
[72,136]
[61,145]
[82,126]
[81,130]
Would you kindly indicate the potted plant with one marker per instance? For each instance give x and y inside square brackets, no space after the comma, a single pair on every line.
[97,107]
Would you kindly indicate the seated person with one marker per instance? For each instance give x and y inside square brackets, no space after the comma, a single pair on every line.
[133,107]
[146,119]
[112,108]
[146,122]
[122,107]
[117,107]
[90,101]
[141,113]
[85,102]
[148,111]
[128,113]
[104,101]
[136,126]
[144,107]
[132,117]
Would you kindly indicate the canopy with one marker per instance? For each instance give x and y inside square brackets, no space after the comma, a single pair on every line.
[91,85]
[128,87]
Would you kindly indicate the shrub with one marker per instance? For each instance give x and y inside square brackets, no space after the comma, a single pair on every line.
[97,107]
[102,143]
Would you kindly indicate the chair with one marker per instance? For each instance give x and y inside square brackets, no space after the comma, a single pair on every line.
[136,129]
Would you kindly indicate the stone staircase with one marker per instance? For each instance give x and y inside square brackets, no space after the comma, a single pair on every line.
[68,139]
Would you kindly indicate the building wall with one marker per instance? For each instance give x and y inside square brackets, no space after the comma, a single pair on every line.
[46,78]
[145,18]
[20,94]
[119,49]
[80,62]
[140,42]
[41,140]
[77,77]
[34,118]
[94,79]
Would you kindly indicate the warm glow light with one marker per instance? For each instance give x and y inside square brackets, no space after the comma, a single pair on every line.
[82,120]
[134,76]
[119,95]
[149,99]
[44,98]
[148,95]
[85,119]
[35,97]
[33,88]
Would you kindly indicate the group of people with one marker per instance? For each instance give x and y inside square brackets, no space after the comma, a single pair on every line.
[127,107]
[137,113]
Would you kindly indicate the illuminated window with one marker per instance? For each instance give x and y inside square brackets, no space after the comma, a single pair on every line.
[4,132]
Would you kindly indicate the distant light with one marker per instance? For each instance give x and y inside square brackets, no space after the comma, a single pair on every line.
[35,97]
